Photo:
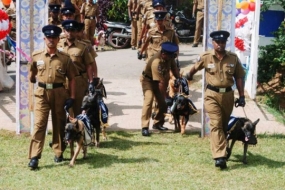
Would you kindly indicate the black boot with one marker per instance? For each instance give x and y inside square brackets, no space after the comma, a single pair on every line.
[34,162]
[145,132]
[221,162]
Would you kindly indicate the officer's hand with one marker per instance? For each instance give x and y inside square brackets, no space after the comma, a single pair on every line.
[91,88]
[193,15]
[33,80]
[240,102]
[139,55]
[168,101]
[95,82]
[130,18]
[68,103]
[189,77]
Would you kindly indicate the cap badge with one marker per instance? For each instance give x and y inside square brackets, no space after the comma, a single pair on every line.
[51,31]
[222,35]
[70,24]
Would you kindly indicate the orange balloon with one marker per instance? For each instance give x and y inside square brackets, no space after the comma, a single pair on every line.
[6,2]
[244,5]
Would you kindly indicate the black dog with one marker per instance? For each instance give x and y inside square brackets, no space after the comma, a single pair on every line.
[91,104]
[241,129]
[182,108]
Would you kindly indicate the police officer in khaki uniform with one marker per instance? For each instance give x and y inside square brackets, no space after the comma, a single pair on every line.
[222,68]
[83,61]
[89,16]
[133,17]
[54,10]
[198,6]
[81,36]
[67,13]
[157,35]
[77,5]
[50,67]
[154,81]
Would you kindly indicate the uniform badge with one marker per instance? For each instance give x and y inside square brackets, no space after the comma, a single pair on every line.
[40,62]
[211,65]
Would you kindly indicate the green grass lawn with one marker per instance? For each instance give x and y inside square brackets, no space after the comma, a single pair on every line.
[129,161]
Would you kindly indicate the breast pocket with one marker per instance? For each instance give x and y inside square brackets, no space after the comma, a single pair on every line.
[229,70]
[41,69]
[60,70]
[212,71]
[76,58]
[156,41]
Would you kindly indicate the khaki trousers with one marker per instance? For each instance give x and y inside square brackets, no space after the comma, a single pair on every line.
[81,86]
[199,26]
[46,101]
[90,26]
[134,40]
[219,107]
[149,95]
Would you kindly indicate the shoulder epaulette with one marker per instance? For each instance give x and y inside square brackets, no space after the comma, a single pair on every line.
[38,52]
[63,53]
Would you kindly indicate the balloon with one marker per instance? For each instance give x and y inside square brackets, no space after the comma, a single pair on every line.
[251,6]
[238,5]
[252,0]
[245,11]
[244,5]
[237,12]
[6,2]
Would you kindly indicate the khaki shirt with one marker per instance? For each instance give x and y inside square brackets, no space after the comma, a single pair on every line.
[158,69]
[90,48]
[90,9]
[53,22]
[155,38]
[78,3]
[200,4]
[79,55]
[220,73]
[52,68]
[132,5]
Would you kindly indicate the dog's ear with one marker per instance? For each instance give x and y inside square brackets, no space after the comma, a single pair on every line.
[255,123]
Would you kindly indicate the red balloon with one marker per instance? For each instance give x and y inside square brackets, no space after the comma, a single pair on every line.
[251,6]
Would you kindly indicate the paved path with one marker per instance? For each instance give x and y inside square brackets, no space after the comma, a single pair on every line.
[121,70]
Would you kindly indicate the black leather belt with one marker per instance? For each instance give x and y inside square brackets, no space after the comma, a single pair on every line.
[90,17]
[50,85]
[221,90]
[201,10]
[146,76]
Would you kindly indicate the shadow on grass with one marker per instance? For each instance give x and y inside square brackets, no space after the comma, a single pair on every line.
[255,160]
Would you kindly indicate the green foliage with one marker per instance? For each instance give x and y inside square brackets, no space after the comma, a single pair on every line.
[272,57]
[118,11]
[267,3]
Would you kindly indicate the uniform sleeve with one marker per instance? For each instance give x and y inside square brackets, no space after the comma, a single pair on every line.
[88,59]
[200,64]
[239,71]
[97,10]
[33,67]
[82,10]
[156,76]
[71,70]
